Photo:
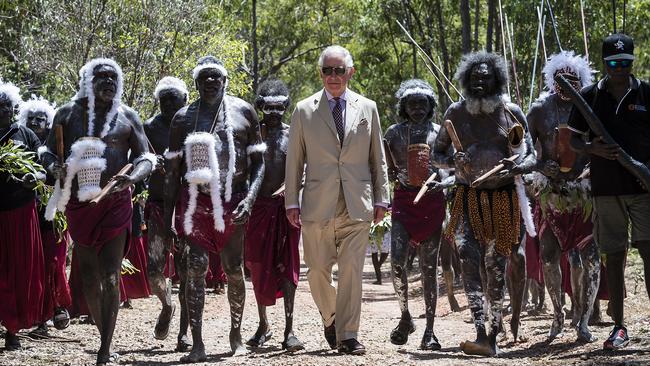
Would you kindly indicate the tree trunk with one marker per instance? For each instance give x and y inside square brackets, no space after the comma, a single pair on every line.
[256,76]
[466,26]
[490,24]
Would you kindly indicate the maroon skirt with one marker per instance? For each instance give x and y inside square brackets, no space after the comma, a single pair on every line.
[21,268]
[204,234]
[57,291]
[271,249]
[420,220]
[136,285]
[96,225]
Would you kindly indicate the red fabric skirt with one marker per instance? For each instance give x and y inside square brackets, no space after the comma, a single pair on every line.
[573,231]
[57,291]
[420,220]
[96,225]
[204,233]
[136,285]
[271,249]
[534,265]
[21,268]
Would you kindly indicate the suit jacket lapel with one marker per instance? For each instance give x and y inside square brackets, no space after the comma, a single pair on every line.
[351,111]
[323,109]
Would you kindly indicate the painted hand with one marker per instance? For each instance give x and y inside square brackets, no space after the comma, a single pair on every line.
[551,168]
[59,171]
[242,212]
[436,186]
[510,169]
[122,182]
[600,148]
[461,159]
[29,180]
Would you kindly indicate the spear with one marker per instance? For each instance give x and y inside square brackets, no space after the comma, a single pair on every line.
[554,23]
[532,79]
[584,28]
[423,55]
[503,44]
[512,59]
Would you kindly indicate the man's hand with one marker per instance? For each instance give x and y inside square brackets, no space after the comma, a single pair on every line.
[293,215]
[29,180]
[600,148]
[242,212]
[380,212]
[551,168]
[510,169]
[461,159]
[122,182]
[436,186]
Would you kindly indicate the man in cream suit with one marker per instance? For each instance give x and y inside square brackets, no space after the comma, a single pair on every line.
[336,139]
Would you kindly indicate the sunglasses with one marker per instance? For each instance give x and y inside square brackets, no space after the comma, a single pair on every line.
[616,63]
[339,70]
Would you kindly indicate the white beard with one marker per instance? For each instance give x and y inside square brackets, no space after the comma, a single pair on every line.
[483,105]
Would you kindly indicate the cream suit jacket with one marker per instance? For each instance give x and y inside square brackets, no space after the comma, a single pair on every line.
[359,166]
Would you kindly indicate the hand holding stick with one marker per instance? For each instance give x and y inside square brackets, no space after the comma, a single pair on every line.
[424,188]
[111,184]
[492,171]
[279,191]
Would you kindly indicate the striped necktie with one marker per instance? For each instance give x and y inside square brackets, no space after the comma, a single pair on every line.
[337,113]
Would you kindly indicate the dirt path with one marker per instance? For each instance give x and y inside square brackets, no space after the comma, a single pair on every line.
[134,341]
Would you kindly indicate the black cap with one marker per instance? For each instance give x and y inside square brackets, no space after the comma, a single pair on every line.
[618,46]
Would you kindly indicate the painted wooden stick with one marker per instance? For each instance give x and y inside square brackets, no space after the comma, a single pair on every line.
[494,170]
[111,183]
[424,188]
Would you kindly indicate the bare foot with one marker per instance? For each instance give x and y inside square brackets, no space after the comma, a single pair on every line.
[557,328]
[236,345]
[183,344]
[107,359]
[584,335]
[482,348]
[197,355]
[161,331]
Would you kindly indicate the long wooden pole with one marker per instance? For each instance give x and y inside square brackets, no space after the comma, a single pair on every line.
[584,28]
[532,78]
[503,44]
[513,60]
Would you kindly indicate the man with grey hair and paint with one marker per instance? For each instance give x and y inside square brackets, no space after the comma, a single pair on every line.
[490,212]
[335,138]
[171,94]
[101,135]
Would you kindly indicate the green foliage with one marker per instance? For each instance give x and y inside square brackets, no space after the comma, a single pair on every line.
[45,42]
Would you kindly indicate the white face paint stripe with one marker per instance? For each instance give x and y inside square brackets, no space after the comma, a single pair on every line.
[275,99]
[198,69]
[421,91]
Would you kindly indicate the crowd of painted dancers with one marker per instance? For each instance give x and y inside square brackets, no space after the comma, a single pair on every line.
[518,200]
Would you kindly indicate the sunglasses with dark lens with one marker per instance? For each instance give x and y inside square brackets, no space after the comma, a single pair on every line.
[327,70]
[616,63]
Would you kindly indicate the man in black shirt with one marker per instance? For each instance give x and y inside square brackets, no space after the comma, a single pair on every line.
[21,252]
[621,103]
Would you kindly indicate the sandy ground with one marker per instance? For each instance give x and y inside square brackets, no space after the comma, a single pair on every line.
[134,341]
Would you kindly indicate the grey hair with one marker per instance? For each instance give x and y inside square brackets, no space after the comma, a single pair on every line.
[414,87]
[494,60]
[336,49]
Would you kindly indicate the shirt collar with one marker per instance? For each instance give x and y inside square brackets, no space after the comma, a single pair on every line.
[342,97]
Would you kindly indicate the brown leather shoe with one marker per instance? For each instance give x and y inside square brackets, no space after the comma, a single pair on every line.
[330,335]
[352,347]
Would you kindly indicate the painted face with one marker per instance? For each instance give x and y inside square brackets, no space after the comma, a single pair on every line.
[37,122]
[6,111]
[417,107]
[210,84]
[171,100]
[572,78]
[335,75]
[482,81]
[104,82]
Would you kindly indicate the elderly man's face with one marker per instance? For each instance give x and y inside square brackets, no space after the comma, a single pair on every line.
[482,81]
[171,100]
[6,111]
[417,107]
[210,84]
[37,122]
[104,83]
[333,65]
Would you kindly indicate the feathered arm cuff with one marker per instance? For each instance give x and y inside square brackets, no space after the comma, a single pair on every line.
[257,148]
[170,155]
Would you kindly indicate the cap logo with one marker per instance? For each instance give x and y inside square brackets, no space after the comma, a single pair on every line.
[619,45]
